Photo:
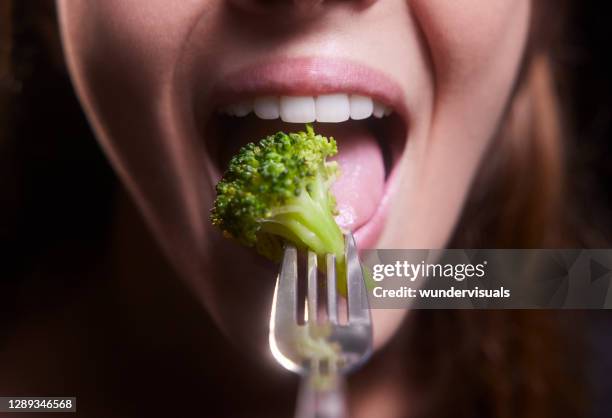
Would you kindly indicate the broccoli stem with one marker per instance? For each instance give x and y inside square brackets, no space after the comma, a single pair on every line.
[307,220]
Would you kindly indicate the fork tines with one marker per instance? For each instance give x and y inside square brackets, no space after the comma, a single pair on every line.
[358,310]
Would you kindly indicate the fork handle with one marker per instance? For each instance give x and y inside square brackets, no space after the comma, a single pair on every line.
[321,403]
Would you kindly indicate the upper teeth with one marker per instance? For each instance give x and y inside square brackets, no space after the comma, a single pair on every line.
[337,107]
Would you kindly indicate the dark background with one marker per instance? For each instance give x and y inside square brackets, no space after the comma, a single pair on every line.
[55,184]
[585,61]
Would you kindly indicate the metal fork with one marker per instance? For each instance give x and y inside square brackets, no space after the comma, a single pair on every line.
[322,352]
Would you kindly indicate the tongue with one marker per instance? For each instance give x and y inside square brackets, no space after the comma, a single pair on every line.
[359,187]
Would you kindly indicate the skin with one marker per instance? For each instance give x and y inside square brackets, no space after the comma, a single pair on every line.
[141,68]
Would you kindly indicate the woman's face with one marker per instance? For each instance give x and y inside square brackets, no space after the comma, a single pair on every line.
[153,76]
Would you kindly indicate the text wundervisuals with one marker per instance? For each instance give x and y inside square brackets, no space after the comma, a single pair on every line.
[408,292]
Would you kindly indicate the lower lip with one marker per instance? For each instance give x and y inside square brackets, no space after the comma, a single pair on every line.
[367,235]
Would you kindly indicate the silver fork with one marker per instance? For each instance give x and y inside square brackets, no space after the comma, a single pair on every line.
[322,352]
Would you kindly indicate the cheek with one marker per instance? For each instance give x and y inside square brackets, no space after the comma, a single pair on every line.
[468,37]
[123,58]
[475,49]
[136,41]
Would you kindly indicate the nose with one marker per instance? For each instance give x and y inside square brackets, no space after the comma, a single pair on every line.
[292,8]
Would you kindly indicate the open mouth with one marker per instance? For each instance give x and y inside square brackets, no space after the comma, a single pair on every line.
[370,130]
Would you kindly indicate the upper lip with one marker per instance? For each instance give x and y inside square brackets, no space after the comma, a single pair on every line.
[307,77]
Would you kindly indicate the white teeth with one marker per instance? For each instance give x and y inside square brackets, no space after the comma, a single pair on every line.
[297,109]
[241,109]
[379,110]
[267,107]
[333,108]
[361,107]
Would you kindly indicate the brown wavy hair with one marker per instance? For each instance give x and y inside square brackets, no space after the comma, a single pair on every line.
[502,364]
[517,363]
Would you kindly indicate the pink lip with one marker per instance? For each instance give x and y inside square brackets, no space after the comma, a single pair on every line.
[312,76]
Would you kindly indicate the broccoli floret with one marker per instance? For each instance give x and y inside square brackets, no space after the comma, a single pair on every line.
[279,190]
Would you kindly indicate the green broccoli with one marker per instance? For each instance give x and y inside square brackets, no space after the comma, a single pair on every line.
[278,190]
